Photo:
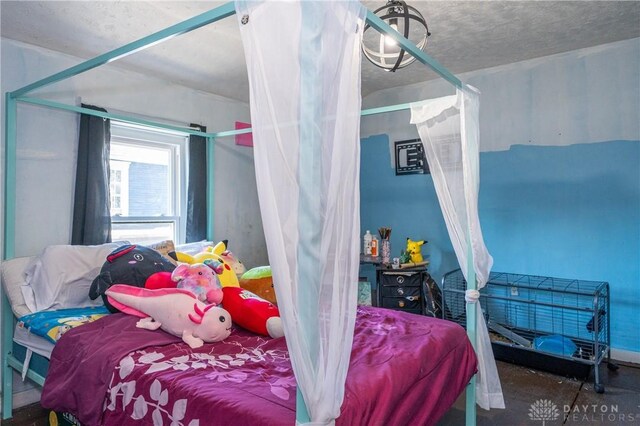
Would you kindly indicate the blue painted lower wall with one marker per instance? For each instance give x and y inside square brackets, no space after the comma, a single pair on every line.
[562,211]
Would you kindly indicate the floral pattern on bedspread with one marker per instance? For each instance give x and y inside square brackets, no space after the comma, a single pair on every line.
[136,388]
[404,369]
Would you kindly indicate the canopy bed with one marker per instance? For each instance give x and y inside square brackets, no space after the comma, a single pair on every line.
[300,152]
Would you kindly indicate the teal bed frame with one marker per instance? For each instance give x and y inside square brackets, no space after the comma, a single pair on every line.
[9,361]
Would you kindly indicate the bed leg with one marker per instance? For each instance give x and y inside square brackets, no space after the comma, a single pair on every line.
[7,389]
[7,371]
[472,328]
[302,415]
[470,412]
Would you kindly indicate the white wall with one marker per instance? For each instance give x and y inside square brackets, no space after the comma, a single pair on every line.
[47,142]
[47,146]
[583,96]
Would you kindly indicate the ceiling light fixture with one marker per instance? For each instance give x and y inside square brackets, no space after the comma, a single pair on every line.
[381,49]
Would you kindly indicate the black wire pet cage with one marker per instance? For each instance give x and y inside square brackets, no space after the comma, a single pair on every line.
[552,324]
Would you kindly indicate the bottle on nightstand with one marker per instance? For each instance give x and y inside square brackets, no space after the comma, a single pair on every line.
[366,249]
[374,247]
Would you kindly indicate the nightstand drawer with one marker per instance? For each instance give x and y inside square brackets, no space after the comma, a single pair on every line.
[402,279]
[413,304]
[400,291]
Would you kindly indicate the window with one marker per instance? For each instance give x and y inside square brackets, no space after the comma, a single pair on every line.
[119,187]
[147,183]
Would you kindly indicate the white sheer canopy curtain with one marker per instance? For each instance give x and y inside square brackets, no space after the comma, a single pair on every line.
[303,62]
[449,131]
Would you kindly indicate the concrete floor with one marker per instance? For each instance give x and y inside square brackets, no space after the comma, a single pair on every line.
[522,387]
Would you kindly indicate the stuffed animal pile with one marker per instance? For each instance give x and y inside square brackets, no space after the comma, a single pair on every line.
[178,299]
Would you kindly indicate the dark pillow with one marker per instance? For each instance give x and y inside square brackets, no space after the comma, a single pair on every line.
[129,264]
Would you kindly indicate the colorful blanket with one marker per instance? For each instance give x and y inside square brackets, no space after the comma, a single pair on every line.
[404,369]
[53,324]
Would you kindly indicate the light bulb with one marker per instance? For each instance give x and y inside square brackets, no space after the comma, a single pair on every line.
[388,40]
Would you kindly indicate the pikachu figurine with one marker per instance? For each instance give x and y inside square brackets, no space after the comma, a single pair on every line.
[414,250]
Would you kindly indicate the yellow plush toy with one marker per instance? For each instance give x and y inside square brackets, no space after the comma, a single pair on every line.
[218,253]
[414,249]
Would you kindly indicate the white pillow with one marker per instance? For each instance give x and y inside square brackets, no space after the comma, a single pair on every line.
[27,294]
[60,276]
[13,280]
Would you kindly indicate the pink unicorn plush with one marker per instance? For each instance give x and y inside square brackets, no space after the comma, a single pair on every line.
[201,280]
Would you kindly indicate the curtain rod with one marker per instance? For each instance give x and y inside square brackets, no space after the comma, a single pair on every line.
[118,117]
[188,130]
[363,113]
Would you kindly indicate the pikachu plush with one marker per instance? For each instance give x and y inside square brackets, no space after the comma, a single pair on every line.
[414,249]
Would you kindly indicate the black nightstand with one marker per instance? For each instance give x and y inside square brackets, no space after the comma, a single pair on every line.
[402,289]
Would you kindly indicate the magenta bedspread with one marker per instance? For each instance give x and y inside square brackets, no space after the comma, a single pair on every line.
[404,369]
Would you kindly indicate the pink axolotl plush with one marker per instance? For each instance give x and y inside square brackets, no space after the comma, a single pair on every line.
[201,280]
[175,311]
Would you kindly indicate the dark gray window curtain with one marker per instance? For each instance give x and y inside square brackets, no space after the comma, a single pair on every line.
[197,188]
[91,207]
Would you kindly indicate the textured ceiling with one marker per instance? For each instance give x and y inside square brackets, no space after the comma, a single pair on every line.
[466,35]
